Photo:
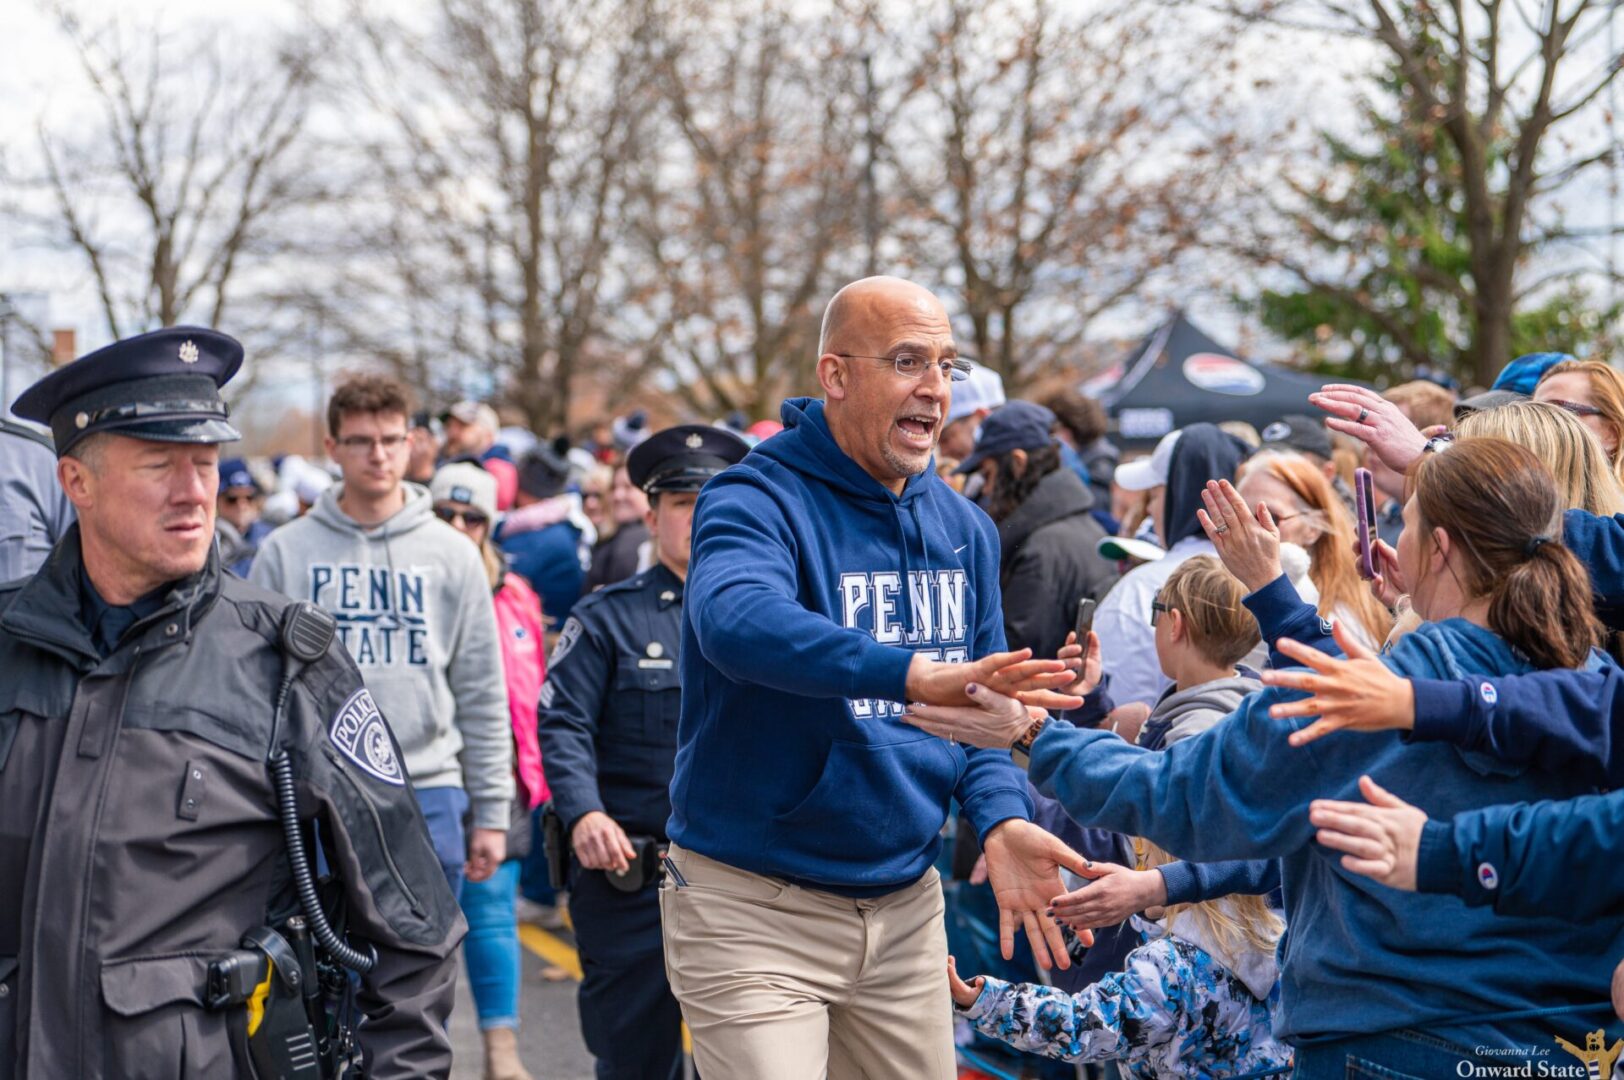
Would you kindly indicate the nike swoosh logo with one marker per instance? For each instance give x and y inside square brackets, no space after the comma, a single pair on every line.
[960,548]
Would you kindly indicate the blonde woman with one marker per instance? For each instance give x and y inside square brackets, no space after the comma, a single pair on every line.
[1594,392]
[1312,516]
[1584,477]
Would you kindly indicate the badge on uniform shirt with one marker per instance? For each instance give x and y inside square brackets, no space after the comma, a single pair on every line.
[361,735]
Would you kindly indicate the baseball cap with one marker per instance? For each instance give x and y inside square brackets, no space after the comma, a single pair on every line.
[1303,434]
[234,474]
[1488,399]
[476,413]
[1127,547]
[1144,473]
[463,482]
[984,389]
[1019,425]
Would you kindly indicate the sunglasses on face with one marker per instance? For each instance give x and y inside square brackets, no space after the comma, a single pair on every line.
[238,500]
[472,519]
[1575,407]
[1157,610]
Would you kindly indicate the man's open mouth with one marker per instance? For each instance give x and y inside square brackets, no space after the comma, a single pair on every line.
[919,429]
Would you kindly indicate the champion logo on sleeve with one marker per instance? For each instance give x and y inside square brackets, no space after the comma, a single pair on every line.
[1488,693]
[361,735]
[1487,875]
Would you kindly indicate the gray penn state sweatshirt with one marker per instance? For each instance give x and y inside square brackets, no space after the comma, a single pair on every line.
[414,610]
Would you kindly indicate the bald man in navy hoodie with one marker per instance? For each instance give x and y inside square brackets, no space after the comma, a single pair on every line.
[835,577]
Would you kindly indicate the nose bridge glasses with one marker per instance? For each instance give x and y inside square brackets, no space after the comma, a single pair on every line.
[912,365]
[366,443]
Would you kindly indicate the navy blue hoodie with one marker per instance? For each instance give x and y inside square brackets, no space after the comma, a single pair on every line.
[1358,957]
[810,587]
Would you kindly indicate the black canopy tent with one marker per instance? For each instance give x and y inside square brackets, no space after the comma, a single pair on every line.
[1179,376]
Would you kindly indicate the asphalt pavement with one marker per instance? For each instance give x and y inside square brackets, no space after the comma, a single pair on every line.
[549,1028]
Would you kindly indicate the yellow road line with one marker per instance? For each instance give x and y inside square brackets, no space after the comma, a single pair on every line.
[553,949]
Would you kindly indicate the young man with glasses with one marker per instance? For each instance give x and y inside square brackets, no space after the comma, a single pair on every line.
[414,609]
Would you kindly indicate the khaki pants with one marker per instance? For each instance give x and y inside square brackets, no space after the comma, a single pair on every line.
[778,982]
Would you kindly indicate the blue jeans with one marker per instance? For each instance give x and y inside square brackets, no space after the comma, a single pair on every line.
[443,808]
[491,948]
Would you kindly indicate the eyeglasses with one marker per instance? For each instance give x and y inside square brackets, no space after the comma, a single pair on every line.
[1157,610]
[913,366]
[473,519]
[1574,407]
[365,443]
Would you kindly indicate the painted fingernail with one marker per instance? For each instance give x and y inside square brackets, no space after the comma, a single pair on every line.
[971,688]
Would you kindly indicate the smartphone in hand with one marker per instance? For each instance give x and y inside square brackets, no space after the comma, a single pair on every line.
[1085,620]
[1364,504]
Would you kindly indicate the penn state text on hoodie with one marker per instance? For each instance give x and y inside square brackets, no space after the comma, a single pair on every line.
[811,586]
[414,610]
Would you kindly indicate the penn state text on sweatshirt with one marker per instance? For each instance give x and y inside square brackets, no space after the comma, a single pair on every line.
[414,610]
[810,588]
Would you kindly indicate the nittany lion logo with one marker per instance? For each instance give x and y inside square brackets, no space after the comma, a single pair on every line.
[361,735]
[1597,1056]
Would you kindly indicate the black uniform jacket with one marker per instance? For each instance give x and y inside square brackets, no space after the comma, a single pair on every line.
[139,836]
[610,705]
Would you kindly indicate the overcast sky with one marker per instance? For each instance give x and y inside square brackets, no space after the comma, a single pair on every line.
[39,76]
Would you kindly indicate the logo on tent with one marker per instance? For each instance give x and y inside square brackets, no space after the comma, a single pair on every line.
[1222,375]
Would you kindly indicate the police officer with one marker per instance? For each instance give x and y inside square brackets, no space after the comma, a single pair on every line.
[609,713]
[139,833]
[33,511]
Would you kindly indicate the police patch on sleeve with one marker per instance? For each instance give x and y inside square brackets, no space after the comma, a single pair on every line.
[361,735]
[567,638]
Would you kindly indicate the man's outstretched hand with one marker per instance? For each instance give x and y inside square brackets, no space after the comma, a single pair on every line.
[1023,864]
[1013,674]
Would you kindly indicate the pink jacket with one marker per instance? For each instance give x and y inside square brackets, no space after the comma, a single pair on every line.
[518,621]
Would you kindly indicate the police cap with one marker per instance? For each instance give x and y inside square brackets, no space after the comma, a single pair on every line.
[163,387]
[682,458]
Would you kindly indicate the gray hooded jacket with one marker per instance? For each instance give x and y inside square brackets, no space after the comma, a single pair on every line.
[1179,714]
[414,609]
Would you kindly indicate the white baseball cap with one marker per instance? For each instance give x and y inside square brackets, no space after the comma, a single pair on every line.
[984,389]
[466,483]
[1144,473]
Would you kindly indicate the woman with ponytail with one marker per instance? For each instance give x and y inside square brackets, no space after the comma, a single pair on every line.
[1374,979]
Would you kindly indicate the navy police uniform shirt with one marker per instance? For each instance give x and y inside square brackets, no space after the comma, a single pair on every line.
[610,705]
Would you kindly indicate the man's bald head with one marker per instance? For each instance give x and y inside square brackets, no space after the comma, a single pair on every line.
[856,310]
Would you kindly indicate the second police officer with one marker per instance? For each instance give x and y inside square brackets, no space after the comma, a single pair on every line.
[609,714]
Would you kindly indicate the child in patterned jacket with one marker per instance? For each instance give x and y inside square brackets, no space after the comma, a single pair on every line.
[1192,1001]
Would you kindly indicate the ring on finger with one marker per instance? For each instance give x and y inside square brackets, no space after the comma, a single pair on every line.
[1221,529]
[1363,413]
